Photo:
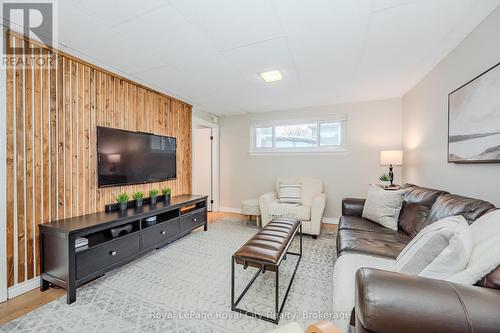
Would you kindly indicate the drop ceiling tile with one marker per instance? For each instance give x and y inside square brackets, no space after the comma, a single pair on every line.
[264,56]
[110,48]
[232,23]
[326,39]
[399,45]
[113,12]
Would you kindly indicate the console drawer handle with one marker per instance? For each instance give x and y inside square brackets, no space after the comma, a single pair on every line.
[113,253]
[163,232]
[195,219]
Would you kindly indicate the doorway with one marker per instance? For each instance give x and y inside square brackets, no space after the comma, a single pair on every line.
[205,161]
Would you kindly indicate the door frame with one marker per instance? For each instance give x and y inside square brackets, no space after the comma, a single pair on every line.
[215,158]
[3,187]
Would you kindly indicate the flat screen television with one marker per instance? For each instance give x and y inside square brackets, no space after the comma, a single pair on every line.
[126,157]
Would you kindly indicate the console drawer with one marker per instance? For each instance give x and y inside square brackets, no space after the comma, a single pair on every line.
[159,233]
[102,256]
[193,219]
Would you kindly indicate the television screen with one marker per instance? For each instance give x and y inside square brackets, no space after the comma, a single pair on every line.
[126,157]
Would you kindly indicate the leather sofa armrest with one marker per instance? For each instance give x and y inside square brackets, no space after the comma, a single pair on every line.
[353,206]
[394,302]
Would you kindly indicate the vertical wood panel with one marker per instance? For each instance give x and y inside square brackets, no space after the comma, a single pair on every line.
[28,160]
[53,140]
[38,160]
[63,137]
[20,171]
[52,114]
[10,172]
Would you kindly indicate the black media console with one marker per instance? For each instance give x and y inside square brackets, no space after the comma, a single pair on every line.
[69,268]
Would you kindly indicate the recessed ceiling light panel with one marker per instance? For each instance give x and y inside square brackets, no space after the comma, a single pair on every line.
[271,76]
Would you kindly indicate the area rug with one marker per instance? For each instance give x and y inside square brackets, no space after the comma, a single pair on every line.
[185,287]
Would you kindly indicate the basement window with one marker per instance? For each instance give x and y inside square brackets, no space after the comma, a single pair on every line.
[299,136]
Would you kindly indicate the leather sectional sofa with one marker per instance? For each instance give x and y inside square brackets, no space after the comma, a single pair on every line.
[392,302]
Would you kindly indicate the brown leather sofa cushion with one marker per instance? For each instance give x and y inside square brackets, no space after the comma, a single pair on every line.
[413,217]
[372,243]
[416,207]
[451,205]
[362,224]
[421,195]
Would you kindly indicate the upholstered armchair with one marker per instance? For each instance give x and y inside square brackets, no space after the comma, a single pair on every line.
[309,210]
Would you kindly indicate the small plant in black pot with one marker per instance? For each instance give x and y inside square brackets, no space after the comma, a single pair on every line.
[166,191]
[122,200]
[153,195]
[138,197]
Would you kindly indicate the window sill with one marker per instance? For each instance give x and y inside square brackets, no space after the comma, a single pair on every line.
[295,152]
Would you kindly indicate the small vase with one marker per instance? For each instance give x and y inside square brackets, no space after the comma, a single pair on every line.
[123,206]
[138,203]
[153,200]
[167,198]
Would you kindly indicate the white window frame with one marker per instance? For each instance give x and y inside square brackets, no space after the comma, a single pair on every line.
[342,119]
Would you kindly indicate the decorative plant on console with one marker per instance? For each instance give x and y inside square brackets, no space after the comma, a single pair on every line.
[122,200]
[166,191]
[138,197]
[385,180]
[153,195]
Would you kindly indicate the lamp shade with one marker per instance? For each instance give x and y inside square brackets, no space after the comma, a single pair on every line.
[394,157]
[114,158]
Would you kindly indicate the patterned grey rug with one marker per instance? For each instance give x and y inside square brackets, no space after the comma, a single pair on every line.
[185,287]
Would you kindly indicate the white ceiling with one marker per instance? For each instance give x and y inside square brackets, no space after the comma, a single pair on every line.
[209,53]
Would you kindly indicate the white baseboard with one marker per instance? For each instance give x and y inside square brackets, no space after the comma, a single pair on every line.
[327,220]
[23,287]
[230,210]
[330,220]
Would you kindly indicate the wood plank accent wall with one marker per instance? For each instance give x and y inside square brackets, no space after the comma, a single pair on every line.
[52,114]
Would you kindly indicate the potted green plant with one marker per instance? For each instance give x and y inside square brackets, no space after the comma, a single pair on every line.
[153,195]
[122,200]
[138,197]
[166,191]
[385,180]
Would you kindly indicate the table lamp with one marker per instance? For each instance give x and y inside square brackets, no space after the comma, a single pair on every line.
[391,158]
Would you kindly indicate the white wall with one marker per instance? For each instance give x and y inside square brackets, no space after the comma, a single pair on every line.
[425,118]
[200,113]
[371,127]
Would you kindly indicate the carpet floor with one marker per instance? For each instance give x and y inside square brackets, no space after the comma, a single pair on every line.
[185,287]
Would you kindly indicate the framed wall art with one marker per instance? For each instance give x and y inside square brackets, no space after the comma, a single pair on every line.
[474,120]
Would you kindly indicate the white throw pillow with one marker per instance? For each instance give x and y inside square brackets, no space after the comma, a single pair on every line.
[290,193]
[438,251]
[383,206]
[484,259]
[485,227]
[485,255]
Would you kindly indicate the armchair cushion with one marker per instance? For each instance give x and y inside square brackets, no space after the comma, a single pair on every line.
[294,211]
